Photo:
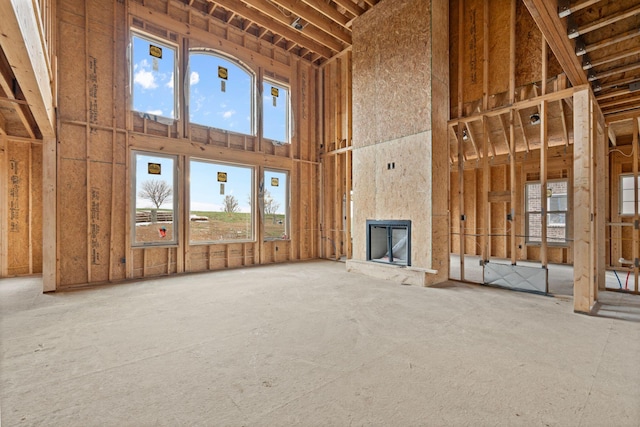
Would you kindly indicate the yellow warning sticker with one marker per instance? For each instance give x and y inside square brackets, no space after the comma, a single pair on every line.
[154,168]
[275,91]
[223,73]
[222,177]
[275,182]
[155,51]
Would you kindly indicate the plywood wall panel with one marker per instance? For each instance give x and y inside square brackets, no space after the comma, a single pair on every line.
[19,182]
[71,90]
[499,11]
[72,221]
[472,49]
[528,48]
[398,102]
[36,208]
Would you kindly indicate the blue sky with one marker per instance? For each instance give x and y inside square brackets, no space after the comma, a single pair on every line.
[213,101]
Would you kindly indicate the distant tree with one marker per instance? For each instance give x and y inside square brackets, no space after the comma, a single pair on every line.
[271,206]
[155,191]
[230,204]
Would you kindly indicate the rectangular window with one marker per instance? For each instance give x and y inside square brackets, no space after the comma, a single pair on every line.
[154,217]
[557,207]
[220,202]
[275,112]
[276,205]
[627,195]
[153,77]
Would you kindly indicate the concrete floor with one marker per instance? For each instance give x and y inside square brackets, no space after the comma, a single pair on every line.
[309,344]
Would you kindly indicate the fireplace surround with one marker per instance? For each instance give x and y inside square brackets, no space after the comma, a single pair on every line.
[389,241]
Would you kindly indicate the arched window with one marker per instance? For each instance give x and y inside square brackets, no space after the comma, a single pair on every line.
[221,93]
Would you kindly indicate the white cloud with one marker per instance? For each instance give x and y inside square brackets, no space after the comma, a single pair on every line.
[170,82]
[194,78]
[154,112]
[145,79]
[228,114]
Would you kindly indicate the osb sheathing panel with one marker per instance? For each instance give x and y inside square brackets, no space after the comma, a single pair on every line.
[473,52]
[72,221]
[19,179]
[499,34]
[71,78]
[36,208]
[391,75]
[528,47]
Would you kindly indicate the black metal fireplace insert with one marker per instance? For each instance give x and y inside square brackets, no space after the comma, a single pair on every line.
[389,241]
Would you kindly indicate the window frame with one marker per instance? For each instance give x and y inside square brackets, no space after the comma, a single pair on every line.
[288,111]
[253,202]
[621,194]
[134,194]
[136,32]
[287,195]
[240,64]
[566,242]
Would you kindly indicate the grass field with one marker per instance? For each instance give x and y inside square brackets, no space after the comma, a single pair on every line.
[216,226]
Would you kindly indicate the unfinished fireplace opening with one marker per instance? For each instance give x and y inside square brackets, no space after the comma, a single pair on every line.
[389,242]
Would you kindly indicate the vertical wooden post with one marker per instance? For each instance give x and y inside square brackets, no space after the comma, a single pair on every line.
[461,211]
[460,140]
[486,175]
[4,207]
[600,208]
[49,215]
[636,193]
[545,67]
[513,184]
[543,184]
[582,165]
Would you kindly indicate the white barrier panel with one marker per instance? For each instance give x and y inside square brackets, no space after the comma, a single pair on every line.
[533,279]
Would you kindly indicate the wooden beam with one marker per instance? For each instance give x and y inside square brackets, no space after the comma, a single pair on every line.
[328,11]
[566,9]
[350,6]
[609,41]
[554,30]
[276,26]
[461,211]
[612,136]
[619,70]
[313,17]
[504,126]
[273,13]
[603,22]
[512,52]
[563,118]
[472,139]
[633,99]
[611,58]
[524,132]
[21,42]
[617,84]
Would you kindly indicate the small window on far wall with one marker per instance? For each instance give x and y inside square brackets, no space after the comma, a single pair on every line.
[276,205]
[557,203]
[627,195]
[153,77]
[154,216]
[275,112]
[221,202]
